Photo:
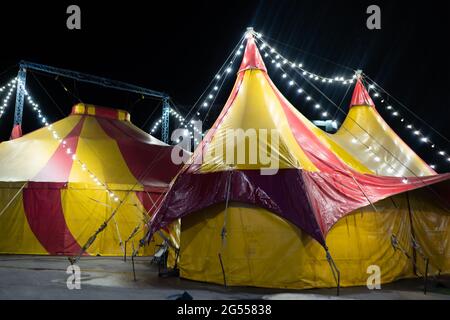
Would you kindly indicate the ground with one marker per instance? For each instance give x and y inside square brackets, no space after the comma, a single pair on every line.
[44,277]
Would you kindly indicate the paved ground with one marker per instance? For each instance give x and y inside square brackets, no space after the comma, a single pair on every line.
[42,277]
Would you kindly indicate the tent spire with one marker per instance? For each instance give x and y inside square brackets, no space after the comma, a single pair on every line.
[252,58]
[360,95]
[16,132]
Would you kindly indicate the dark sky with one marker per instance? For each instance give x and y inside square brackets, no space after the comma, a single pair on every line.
[177,46]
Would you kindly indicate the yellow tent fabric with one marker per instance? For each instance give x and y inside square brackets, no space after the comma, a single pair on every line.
[51,195]
[262,249]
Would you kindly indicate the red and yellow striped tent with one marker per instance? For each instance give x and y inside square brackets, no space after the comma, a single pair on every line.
[50,204]
[244,225]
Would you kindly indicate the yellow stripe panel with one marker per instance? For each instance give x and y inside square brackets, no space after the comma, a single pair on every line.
[257,107]
[86,210]
[368,127]
[124,116]
[102,156]
[16,236]
[22,159]
[79,108]
[91,110]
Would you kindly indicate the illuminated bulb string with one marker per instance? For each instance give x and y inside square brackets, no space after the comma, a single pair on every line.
[69,152]
[207,98]
[415,131]
[298,89]
[10,86]
[278,60]
[308,98]
[375,94]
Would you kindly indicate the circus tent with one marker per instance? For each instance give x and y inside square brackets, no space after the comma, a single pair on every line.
[59,184]
[246,224]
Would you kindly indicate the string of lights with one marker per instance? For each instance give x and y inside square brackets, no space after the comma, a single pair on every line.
[207,98]
[69,152]
[309,99]
[10,86]
[408,125]
[375,94]
[278,60]
[299,90]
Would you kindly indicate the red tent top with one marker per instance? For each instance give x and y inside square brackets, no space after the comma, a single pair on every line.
[360,96]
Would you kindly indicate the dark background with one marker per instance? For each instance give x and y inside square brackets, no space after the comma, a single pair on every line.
[178,46]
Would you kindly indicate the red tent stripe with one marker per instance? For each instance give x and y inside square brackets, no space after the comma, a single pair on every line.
[44,212]
[60,164]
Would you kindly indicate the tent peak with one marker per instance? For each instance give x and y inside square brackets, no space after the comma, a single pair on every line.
[361,96]
[252,58]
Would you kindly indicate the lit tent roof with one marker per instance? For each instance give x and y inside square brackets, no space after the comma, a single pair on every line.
[368,138]
[317,183]
[51,204]
[116,151]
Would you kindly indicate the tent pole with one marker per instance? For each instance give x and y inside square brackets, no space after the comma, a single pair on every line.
[125,252]
[364,194]
[334,270]
[414,257]
[425,277]
[12,199]
[132,262]
[223,271]
[224,228]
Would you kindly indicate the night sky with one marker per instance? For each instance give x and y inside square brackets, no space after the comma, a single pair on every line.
[177,47]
